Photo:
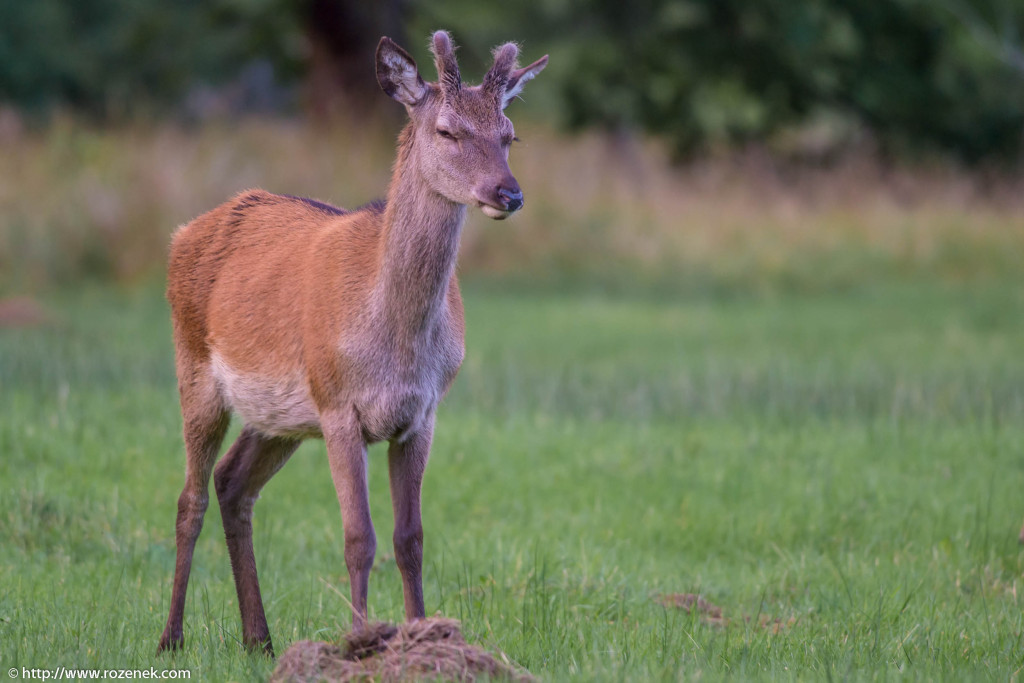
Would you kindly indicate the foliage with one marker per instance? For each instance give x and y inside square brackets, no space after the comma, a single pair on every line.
[118,57]
[702,73]
[712,72]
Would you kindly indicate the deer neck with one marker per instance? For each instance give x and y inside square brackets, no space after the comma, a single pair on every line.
[420,245]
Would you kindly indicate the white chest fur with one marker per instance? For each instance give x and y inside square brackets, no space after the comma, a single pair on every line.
[275,406]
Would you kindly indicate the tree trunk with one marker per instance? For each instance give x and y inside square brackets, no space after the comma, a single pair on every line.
[343,36]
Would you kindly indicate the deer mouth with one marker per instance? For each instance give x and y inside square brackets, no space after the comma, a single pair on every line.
[495,213]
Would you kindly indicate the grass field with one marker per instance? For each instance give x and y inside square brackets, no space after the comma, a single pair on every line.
[839,471]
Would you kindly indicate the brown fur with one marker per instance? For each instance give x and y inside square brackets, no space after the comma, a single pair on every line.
[311,321]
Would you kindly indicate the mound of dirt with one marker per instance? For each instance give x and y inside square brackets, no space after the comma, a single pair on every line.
[423,649]
[709,614]
[21,311]
[712,614]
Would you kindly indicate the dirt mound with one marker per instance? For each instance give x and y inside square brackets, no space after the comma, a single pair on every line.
[423,649]
[709,614]
[21,311]
[712,614]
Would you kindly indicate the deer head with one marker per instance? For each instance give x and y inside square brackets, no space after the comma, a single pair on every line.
[460,134]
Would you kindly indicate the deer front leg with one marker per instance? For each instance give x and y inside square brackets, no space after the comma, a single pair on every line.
[406,464]
[346,452]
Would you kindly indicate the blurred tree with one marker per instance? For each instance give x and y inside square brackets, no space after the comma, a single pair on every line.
[918,74]
[343,36]
[114,57]
[720,72]
[709,71]
[1000,34]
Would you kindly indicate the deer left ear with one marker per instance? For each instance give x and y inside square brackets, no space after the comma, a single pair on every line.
[397,73]
[518,78]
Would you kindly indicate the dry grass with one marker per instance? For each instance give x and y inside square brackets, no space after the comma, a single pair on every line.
[76,201]
[751,219]
[420,650]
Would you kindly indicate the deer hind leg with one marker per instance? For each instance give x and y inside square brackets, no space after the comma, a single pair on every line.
[406,464]
[346,452]
[205,421]
[249,464]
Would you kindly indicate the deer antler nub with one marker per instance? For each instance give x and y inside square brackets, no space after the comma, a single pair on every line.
[447,68]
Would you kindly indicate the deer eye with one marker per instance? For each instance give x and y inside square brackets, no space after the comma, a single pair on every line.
[446,134]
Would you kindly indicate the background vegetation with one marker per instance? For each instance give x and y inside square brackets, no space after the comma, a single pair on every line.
[755,334]
[82,202]
[916,75]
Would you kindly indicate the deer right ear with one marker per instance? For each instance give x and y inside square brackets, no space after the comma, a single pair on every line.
[397,73]
[518,78]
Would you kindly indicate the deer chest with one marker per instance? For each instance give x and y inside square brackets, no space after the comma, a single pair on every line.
[401,391]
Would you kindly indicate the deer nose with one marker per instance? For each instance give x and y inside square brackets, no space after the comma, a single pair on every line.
[512,199]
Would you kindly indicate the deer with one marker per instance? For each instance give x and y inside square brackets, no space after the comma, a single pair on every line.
[309,321]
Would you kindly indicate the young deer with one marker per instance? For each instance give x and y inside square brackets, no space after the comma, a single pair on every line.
[308,321]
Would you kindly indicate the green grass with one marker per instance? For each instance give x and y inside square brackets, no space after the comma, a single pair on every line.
[848,463]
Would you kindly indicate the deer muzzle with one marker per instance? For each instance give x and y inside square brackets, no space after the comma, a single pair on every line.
[502,200]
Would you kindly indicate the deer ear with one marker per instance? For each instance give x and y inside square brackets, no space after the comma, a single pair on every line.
[397,73]
[518,78]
